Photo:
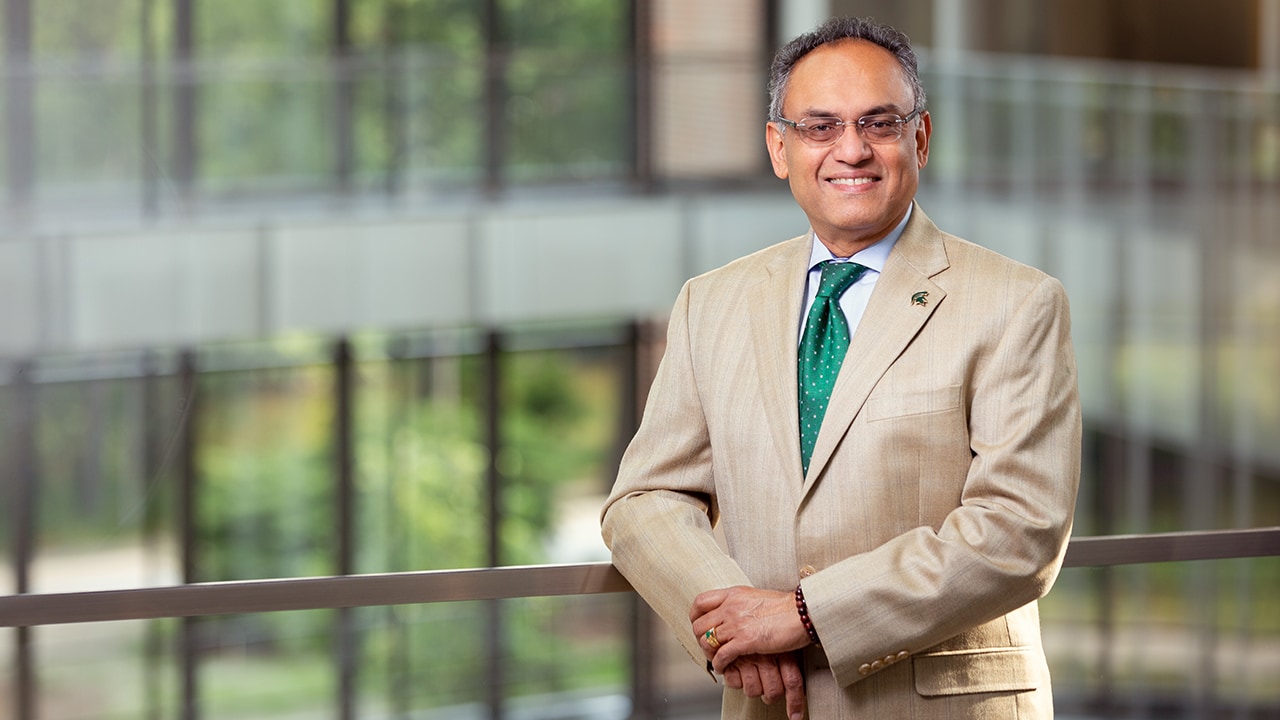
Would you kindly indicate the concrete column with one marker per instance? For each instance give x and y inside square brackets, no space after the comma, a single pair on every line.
[1269,39]
[950,42]
[950,28]
[800,16]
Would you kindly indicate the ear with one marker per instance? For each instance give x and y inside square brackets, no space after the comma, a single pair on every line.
[922,139]
[773,140]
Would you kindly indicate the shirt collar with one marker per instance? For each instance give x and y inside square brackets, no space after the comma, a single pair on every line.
[873,257]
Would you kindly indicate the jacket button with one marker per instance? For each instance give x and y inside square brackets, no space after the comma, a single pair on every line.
[865,669]
[807,570]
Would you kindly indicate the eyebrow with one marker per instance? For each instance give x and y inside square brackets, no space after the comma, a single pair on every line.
[877,110]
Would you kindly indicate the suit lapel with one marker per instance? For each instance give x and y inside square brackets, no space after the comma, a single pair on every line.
[775,312]
[893,317]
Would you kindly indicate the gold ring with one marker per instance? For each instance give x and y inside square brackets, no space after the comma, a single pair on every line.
[710,636]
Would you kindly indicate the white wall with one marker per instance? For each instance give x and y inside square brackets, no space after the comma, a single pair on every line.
[485,265]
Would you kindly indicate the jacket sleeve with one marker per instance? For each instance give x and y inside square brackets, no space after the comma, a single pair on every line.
[659,517]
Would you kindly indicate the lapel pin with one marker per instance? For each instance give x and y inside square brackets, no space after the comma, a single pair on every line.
[921,298]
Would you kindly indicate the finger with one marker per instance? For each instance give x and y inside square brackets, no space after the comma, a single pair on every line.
[709,648]
[733,678]
[725,655]
[793,681]
[750,679]
[771,685]
[706,602]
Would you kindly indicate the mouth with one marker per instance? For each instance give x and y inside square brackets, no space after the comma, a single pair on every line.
[854,182]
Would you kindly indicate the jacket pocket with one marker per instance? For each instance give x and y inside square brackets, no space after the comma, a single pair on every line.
[883,407]
[977,671]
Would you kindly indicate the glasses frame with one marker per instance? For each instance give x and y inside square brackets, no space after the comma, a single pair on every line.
[799,126]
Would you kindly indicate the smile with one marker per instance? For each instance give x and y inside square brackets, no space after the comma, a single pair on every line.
[852,181]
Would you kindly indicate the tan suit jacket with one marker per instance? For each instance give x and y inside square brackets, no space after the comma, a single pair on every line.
[939,499]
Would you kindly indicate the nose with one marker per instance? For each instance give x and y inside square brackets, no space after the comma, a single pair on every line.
[851,147]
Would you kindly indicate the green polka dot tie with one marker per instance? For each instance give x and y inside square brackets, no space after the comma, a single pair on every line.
[822,349]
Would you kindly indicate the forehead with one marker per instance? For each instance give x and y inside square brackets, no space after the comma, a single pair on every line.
[848,77]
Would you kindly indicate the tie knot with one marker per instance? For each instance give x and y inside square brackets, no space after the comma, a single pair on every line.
[837,277]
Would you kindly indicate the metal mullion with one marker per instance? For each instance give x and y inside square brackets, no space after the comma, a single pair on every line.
[148,112]
[1201,476]
[1244,442]
[1134,421]
[641,63]
[344,96]
[185,100]
[495,68]
[19,107]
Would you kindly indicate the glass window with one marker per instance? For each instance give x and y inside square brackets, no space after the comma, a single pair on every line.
[87,102]
[265,101]
[1134,640]
[265,502]
[568,110]
[103,485]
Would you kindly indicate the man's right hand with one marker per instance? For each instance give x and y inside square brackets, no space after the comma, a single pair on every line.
[770,678]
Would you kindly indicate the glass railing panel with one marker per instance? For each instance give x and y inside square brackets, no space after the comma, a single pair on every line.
[1160,639]
[105,671]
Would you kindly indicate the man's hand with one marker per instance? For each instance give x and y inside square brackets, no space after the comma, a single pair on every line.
[770,678]
[747,621]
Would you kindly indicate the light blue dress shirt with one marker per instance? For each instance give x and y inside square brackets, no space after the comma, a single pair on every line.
[854,301]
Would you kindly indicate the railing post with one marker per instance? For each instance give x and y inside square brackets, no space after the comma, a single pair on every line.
[22,507]
[188,640]
[638,376]
[343,504]
[152,467]
[493,491]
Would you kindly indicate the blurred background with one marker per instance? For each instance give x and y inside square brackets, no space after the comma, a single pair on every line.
[311,287]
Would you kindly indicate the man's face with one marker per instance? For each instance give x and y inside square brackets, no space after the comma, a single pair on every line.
[854,192]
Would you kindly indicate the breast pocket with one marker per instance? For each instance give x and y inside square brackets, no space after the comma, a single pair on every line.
[925,402]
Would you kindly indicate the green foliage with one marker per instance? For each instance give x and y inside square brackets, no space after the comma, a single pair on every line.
[265,487]
[89,468]
[273,102]
[421,489]
[88,30]
[252,29]
[266,502]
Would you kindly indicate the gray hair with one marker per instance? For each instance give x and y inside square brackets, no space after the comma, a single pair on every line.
[833,30]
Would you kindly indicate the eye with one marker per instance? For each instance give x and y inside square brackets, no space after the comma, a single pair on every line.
[820,125]
[879,122]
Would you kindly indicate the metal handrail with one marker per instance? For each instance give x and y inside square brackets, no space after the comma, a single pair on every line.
[349,591]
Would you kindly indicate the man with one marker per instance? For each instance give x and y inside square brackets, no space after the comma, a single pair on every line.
[885,547]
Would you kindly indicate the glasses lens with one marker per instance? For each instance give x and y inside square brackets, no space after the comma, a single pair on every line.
[881,128]
[820,130]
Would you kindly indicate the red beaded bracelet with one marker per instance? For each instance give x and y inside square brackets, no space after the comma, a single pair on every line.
[804,616]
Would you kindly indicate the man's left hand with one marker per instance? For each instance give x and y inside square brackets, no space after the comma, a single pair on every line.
[747,621]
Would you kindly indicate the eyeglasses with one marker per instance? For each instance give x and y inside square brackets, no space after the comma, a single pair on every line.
[819,131]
